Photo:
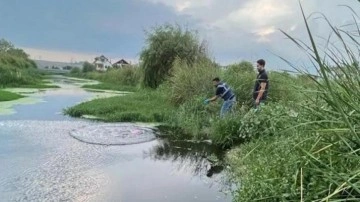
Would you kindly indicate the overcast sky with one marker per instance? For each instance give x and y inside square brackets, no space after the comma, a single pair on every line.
[234,29]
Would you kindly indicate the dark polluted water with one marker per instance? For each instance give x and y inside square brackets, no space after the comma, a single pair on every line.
[45,156]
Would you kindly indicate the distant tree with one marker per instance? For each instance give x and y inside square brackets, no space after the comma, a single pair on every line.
[88,67]
[75,70]
[243,66]
[67,68]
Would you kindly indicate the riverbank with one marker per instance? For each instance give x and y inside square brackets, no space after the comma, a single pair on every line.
[109,86]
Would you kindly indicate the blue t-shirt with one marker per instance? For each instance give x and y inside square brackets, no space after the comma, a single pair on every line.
[224,91]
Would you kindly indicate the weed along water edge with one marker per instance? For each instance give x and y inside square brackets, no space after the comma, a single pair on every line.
[46,156]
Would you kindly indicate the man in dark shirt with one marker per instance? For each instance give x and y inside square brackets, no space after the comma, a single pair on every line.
[223,91]
[261,84]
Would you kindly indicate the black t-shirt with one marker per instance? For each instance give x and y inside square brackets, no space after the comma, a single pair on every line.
[261,77]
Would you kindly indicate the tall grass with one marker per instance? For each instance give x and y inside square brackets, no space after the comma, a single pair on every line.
[188,81]
[337,156]
[319,161]
[17,71]
[126,77]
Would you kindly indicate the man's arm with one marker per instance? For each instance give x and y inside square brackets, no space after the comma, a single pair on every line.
[214,98]
[261,92]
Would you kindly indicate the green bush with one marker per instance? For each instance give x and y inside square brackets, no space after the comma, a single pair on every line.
[13,76]
[194,117]
[7,58]
[88,67]
[165,44]
[126,76]
[241,67]
[271,119]
[75,70]
[189,81]
[242,82]
[225,132]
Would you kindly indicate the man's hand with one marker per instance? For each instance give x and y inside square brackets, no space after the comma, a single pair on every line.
[207,101]
[257,101]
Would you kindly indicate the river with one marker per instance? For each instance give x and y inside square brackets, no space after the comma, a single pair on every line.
[46,156]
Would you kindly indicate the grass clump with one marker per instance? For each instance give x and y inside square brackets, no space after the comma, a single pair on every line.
[142,106]
[8,96]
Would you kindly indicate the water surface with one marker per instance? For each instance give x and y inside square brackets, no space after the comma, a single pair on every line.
[42,161]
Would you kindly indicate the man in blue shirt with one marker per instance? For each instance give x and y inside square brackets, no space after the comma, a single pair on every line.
[223,91]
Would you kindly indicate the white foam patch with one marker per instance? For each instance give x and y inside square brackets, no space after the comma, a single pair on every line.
[114,134]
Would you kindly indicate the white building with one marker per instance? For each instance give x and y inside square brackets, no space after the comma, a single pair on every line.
[102,63]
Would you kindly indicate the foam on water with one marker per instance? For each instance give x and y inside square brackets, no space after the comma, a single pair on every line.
[113,134]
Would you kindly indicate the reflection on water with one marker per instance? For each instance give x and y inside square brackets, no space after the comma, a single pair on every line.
[200,157]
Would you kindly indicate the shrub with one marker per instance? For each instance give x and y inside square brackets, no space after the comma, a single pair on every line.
[88,67]
[192,116]
[189,81]
[242,82]
[126,76]
[242,67]
[225,132]
[271,119]
[75,70]
[165,44]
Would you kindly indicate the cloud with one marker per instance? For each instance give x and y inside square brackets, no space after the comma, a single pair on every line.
[234,29]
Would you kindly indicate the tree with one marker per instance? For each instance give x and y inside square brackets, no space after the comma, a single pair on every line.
[5,45]
[88,67]
[9,48]
[18,53]
[165,44]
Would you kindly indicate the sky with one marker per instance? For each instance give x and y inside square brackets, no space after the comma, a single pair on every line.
[235,30]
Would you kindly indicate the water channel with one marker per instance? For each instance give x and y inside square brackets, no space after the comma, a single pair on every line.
[46,156]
